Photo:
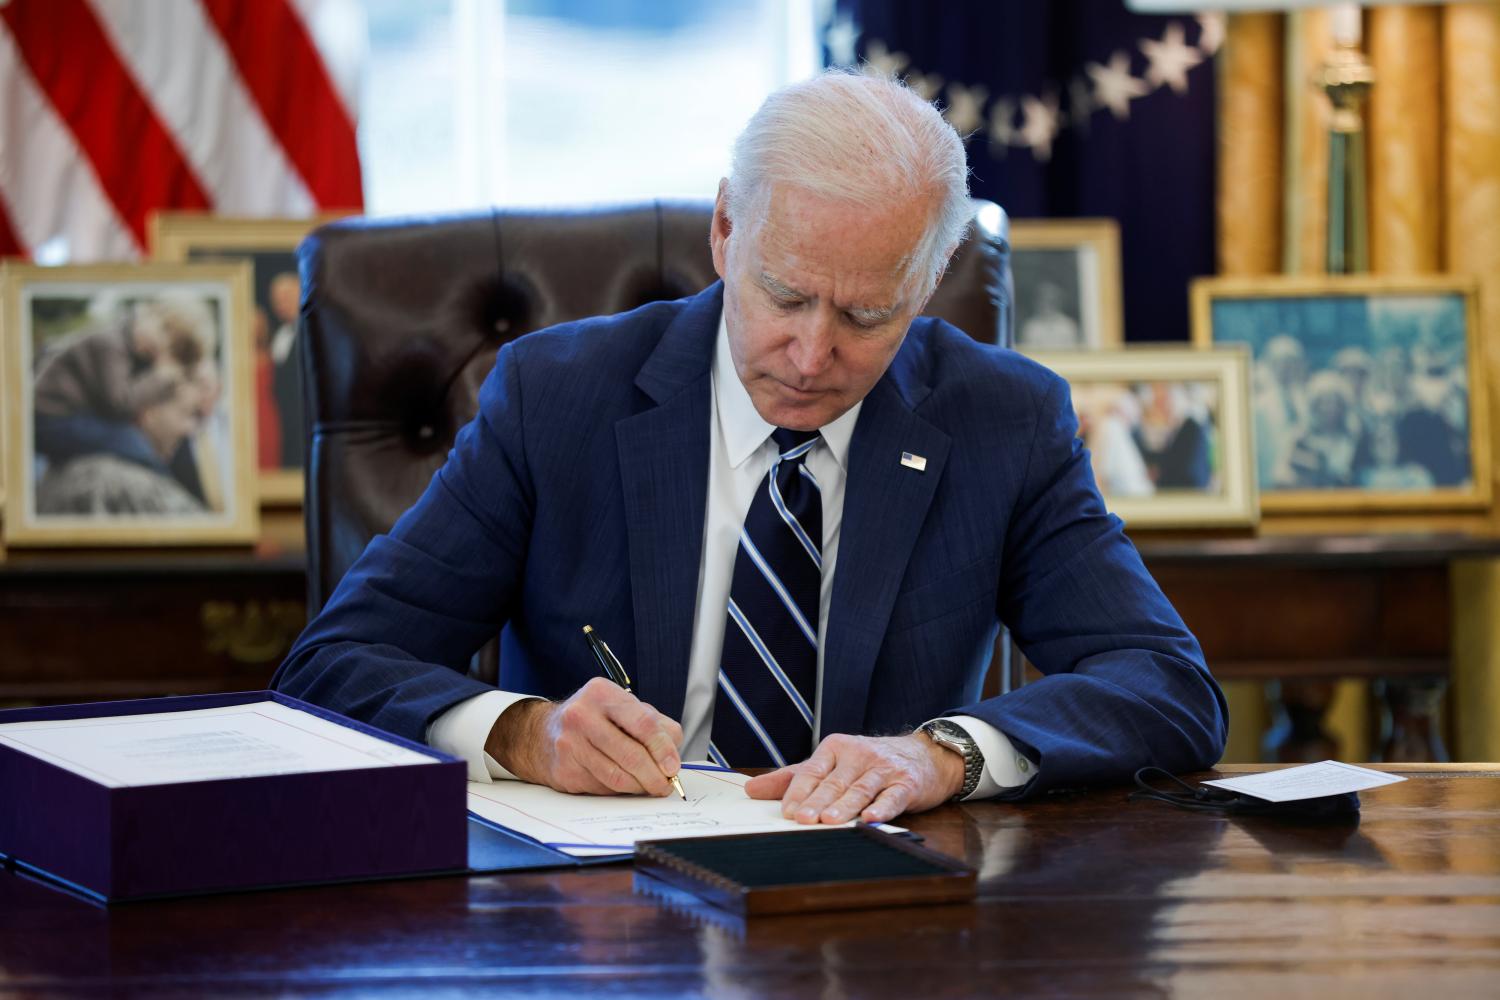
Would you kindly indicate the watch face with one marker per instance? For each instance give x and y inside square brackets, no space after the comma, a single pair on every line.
[951,731]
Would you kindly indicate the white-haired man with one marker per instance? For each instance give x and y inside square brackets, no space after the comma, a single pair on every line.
[797,510]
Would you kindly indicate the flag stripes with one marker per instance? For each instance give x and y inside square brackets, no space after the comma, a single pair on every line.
[136,160]
[188,75]
[47,185]
[111,110]
[9,245]
[294,93]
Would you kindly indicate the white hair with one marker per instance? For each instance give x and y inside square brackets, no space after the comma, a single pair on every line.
[863,139]
[184,321]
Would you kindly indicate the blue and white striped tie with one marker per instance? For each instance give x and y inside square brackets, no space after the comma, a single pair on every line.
[768,674]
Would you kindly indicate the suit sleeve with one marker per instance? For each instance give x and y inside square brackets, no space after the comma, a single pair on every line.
[1124,682]
[393,644]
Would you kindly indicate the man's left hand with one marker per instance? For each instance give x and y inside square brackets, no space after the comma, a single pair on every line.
[876,778]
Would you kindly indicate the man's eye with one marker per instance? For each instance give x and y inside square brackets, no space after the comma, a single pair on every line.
[786,305]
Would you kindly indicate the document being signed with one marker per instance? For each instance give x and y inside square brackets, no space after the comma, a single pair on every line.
[592,825]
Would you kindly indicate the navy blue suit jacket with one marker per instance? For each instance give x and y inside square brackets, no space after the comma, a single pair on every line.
[577,495]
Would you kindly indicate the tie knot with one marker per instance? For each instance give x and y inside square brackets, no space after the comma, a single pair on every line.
[787,440]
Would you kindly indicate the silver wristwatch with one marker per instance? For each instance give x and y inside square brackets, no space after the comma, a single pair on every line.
[955,738]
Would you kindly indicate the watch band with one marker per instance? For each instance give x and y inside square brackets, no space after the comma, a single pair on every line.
[957,739]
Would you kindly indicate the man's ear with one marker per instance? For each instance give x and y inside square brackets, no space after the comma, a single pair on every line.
[718,232]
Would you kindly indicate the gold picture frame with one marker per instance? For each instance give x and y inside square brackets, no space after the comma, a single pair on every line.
[1368,392]
[270,246]
[137,430]
[1087,306]
[1168,431]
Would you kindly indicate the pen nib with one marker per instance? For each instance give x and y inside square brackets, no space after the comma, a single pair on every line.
[677,784]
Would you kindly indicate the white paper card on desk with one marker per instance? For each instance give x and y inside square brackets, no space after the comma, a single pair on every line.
[232,741]
[595,825]
[1309,781]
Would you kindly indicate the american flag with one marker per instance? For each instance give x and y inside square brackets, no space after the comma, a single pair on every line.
[111,110]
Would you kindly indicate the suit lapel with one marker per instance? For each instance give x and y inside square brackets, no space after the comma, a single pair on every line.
[663,453]
[885,504]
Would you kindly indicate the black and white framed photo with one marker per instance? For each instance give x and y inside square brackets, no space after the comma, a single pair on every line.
[1067,284]
[128,417]
[1368,392]
[1167,432]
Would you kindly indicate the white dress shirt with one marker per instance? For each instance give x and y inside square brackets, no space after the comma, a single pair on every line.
[740,454]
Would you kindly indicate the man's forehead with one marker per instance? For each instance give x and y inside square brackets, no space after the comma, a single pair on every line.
[805,239]
[799,259]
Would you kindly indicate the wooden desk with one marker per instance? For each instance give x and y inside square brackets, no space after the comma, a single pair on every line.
[1080,895]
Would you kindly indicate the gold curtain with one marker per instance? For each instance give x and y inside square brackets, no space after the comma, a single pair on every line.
[1434,188]
[1470,50]
[1405,141]
[1249,179]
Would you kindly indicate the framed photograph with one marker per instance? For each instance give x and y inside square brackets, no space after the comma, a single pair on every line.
[1067,278]
[270,246]
[1367,393]
[128,414]
[1168,432]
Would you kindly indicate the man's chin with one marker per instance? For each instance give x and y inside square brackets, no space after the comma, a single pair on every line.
[801,415]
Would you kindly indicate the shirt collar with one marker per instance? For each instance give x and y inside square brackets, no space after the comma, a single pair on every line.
[744,429]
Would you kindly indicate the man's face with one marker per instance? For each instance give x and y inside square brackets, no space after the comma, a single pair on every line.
[814,300]
[286,291]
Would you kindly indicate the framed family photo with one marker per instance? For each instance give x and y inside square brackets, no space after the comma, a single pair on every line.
[1067,284]
[1368,392]
[1168,433]
[127,417]
[270,246]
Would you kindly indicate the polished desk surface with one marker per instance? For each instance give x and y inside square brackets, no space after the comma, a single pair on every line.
[1083,894]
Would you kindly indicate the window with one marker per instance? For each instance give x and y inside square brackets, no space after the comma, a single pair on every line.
[468,103]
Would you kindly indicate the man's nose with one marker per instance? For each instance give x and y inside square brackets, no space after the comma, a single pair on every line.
[811,349]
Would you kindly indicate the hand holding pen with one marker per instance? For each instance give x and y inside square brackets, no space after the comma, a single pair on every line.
[615,671]
[600,740]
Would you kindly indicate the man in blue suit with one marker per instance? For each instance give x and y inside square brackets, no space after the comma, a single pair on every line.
[797,511]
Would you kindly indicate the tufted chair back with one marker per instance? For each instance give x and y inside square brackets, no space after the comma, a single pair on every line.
[401,321]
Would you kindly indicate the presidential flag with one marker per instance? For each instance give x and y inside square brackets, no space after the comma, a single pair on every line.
[1071,108]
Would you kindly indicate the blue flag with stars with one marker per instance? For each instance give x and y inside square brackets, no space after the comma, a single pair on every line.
[1071,108]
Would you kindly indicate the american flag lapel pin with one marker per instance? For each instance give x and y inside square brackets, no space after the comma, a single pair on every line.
[911,461]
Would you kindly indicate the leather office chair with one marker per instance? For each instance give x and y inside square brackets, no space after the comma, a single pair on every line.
[402,319]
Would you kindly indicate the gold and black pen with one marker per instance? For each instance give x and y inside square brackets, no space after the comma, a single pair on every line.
[615,671]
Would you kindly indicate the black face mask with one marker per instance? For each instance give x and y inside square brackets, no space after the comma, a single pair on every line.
[1342,808]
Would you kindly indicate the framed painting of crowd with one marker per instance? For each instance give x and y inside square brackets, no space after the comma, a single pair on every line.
[1167,432]
[1367,392]
[127,417]
[270,246]
[1067,284]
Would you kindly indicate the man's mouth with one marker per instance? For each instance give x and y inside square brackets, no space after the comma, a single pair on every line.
[794,391]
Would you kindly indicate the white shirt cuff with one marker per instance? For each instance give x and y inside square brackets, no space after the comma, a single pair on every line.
[463,730]
[1003,766]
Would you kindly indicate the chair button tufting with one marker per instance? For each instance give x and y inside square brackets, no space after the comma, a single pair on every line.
[426,431]
[502,325]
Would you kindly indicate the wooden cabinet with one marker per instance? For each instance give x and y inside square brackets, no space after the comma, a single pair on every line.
[1297,612]
[86,626]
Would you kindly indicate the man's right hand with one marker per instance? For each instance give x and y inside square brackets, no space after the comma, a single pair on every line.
[601,741]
